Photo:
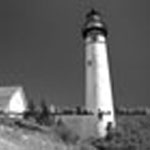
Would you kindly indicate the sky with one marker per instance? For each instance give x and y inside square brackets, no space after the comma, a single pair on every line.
[41,48]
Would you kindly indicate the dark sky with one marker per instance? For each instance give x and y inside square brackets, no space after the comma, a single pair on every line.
[41,48]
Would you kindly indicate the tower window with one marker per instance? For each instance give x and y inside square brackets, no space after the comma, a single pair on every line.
[89,62]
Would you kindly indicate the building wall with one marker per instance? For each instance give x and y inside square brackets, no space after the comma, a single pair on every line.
[17,103]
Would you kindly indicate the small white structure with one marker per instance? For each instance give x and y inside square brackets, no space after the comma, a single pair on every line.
[12,100]
[98,88]
[52,109]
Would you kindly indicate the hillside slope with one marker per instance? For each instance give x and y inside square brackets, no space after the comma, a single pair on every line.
[132,133]
[18,139]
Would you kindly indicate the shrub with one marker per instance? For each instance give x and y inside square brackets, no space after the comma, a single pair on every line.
[65,134]
[44,117]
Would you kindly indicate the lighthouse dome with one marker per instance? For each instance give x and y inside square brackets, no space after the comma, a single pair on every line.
[94,23]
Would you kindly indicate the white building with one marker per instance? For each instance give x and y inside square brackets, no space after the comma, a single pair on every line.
[12,100]
[98,86]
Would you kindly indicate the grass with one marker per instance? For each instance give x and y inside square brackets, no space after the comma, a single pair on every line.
[132,133]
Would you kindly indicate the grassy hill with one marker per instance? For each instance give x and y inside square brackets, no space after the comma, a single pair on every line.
[24,135]
[132,133]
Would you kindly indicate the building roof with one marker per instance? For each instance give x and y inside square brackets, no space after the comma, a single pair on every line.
[6,94]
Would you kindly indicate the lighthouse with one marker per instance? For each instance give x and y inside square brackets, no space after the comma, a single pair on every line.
[98,85]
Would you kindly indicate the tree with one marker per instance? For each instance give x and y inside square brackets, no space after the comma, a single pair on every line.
[44,114]
[31,108]
[78,110]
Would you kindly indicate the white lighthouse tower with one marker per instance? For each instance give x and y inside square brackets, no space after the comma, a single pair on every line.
[98,88]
